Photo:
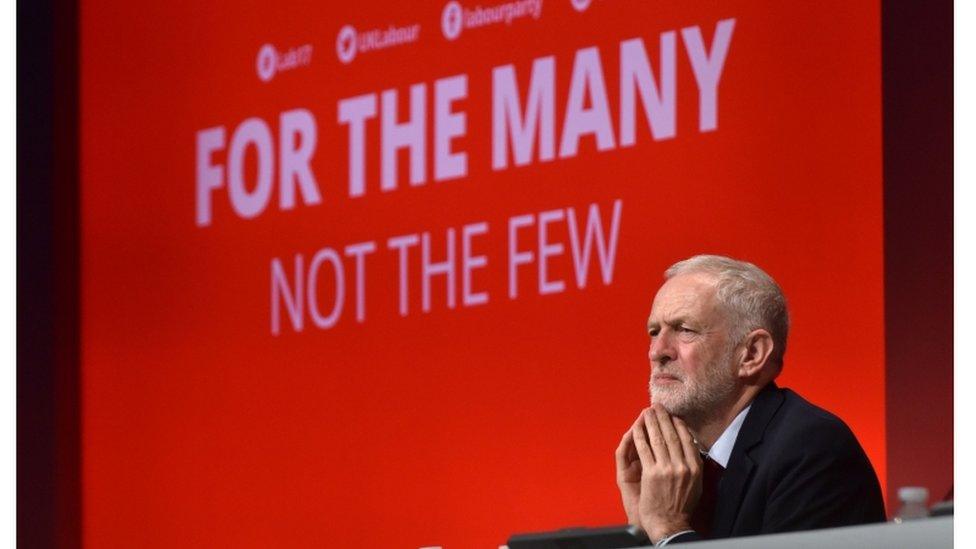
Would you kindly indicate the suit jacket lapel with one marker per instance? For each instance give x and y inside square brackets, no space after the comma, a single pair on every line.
[737,474]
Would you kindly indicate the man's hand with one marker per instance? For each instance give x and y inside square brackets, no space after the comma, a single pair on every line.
[629,473]
[661,488]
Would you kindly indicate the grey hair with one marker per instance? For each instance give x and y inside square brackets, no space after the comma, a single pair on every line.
[750,296]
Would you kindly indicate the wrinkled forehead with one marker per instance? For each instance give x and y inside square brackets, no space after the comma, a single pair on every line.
[687,297]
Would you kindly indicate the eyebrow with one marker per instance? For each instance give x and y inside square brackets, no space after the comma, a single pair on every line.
[674,322]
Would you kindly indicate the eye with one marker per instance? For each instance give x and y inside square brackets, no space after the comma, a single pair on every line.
[653,332]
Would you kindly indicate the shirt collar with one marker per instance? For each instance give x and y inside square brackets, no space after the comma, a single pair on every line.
[721,451]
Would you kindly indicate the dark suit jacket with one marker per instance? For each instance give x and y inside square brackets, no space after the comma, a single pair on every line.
[794,466]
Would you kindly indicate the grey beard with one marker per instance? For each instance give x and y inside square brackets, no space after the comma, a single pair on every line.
[702,402]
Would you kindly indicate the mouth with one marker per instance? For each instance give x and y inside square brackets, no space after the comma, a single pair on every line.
[661,379]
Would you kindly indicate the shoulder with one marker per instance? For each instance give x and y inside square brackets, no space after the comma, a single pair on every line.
[800,421]
[800,431]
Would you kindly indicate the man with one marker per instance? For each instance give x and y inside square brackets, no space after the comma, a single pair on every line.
[773,462]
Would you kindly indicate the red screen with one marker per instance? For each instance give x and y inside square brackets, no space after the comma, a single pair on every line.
[377,273]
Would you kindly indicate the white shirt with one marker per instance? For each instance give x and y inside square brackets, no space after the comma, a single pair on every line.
[720,452]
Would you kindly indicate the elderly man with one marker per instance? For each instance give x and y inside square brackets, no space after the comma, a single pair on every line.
[723,451]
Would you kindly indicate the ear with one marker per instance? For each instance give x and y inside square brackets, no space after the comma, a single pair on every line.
[757,347]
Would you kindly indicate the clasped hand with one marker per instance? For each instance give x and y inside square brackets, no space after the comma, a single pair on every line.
[659,473]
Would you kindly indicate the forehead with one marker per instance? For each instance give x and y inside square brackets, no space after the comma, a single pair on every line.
[686,297]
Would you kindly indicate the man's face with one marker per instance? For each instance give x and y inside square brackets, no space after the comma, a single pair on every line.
[692,370]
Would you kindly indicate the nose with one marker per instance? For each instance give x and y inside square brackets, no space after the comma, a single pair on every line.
[661,350]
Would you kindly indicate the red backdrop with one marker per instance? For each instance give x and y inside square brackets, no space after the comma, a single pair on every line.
[453,426]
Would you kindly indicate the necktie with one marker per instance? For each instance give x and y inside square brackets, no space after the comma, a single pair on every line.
[701,519]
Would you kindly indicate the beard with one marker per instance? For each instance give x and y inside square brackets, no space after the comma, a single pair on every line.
[695,399]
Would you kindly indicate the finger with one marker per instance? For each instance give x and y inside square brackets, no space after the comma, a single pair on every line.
[625,450]
[692,455]
[658,446]
[675,450]
[637,426]
[644,452]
